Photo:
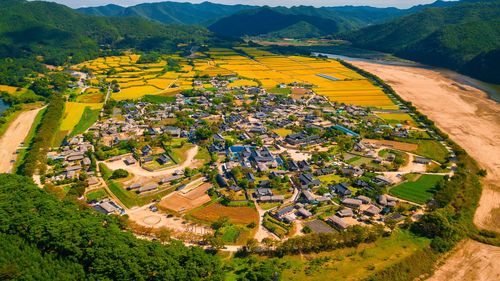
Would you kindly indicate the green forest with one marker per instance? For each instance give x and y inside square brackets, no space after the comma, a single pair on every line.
[43,238]
[464,37]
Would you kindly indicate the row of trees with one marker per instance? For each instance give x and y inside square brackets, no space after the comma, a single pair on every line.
[36,158]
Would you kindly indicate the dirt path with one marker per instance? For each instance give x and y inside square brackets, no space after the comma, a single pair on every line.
[138,171]
[473,121]
[13,137]
[262,232]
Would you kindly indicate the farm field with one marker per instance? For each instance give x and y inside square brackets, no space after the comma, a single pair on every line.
[397,118]
[253,66]
[73,112]
[236,215]
[418,188]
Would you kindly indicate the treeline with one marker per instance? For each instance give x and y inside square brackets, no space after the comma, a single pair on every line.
[43,238]
[36,158]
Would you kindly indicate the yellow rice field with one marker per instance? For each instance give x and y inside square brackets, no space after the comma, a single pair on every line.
[73,112]
[326,77]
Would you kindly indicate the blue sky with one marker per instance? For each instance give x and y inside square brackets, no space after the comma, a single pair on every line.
[318,3]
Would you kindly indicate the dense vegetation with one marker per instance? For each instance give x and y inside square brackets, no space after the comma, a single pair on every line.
[464,37]
[170,12]
[294,22]
[55,33]
[36,158]
[42,238]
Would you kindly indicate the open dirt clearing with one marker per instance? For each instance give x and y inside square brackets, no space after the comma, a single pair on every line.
[473,121]
[182,202]
[13,136]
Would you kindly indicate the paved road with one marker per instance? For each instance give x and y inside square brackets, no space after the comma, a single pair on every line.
[13,137]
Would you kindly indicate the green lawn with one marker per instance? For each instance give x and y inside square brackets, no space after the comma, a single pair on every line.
[417,189]
[96,195]
[89,117]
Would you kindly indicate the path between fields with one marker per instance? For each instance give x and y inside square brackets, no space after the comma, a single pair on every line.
[13,137]
[473,121]
[262,232]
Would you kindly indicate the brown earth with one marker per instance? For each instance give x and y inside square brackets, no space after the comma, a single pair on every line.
[473,121]
[14,135]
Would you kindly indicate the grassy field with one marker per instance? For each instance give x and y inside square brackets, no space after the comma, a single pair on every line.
[432,149]
[353,263]
[96,195]
[89,117]
[158,99]
[331,178]
[418,189]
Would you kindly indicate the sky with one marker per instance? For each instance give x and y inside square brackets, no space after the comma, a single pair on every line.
[317,3]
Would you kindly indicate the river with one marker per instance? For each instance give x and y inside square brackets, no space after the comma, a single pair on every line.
[3,106]
[492,90]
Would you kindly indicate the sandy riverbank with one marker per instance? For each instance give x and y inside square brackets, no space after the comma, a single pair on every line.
[473,121]
[14,135]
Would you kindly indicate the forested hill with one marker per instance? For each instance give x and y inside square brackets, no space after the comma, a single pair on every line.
[302,22]
[42,238]
[464,37]
[170,12]
[55,32]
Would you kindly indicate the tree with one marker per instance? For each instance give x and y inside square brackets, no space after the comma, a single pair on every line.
[119,173]
[251,245]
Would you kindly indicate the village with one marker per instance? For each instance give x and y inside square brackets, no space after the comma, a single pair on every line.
[268,165]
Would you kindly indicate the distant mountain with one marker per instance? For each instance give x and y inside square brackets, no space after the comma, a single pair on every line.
[170,12]
[55,32]
[371,15]
[296,22]
[460,37]
[307,21]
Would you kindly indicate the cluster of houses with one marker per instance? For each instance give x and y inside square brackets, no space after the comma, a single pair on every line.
[72,160]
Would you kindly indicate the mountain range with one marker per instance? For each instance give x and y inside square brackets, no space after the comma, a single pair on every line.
[239,20]
[55,33]
[464,37]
